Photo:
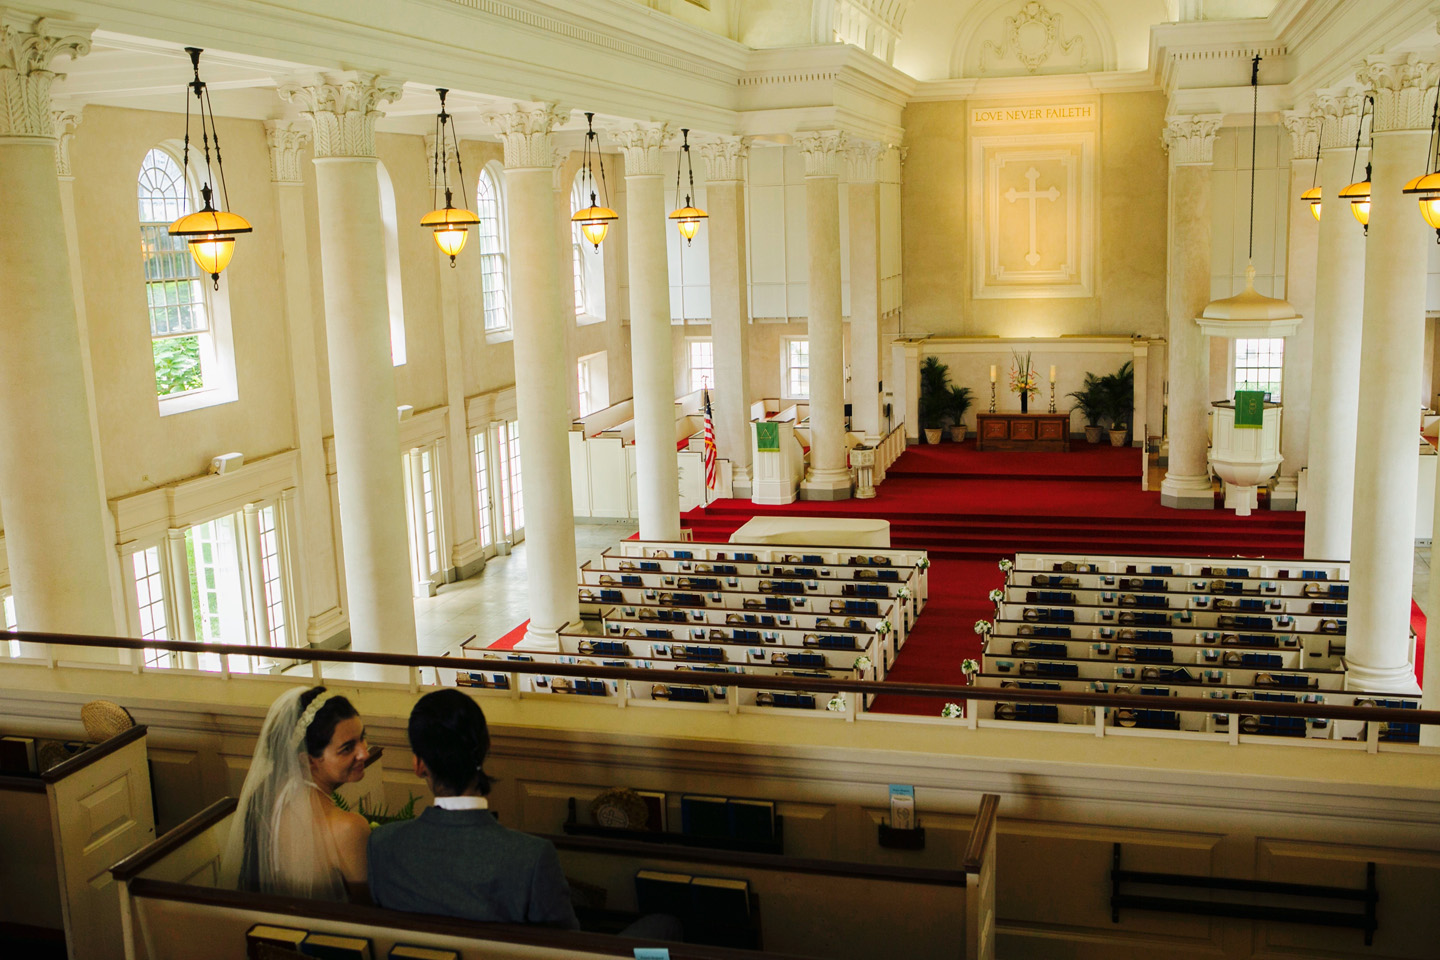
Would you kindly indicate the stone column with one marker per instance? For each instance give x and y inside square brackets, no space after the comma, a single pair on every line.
[343,109]
[725,161]
[657,470]
[313,556]
[1335,352]
[466,555]
[50,490]
[1392,341]
[255,564]
[828,477]
[864,158]
[1190,142]
[1300,292]
[541,369]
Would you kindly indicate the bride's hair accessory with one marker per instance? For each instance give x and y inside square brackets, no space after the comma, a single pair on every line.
[308,717]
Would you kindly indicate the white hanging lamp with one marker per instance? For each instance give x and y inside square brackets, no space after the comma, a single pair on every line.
[1250,314]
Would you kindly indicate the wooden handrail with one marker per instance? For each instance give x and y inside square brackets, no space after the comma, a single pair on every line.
[84,758]
[761,682]
[974,856]
[531,935]
[19,783]
[170,841]
[759,861]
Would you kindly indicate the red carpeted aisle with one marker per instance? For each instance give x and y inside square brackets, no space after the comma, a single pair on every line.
[969,509]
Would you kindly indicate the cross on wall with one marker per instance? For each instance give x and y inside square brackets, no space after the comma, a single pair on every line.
[1052,194]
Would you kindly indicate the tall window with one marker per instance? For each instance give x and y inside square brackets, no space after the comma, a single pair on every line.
[587,263]
[518,503]
[702,364]
[795,375]
[593,375]
[271,572]
[492,251]
[150,603]
[482,490]
[394,293]
[175,288]
[1259,365]
[7,615]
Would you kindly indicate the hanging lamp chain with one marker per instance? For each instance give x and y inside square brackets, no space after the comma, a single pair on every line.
[1359,132]
[1254,127]
[690,167]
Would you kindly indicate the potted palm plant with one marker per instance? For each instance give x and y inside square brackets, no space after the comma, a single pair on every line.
[1118,390]
[1090,400]
[934,397]
[960,400]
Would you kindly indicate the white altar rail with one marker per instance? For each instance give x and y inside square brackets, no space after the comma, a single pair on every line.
[887,451]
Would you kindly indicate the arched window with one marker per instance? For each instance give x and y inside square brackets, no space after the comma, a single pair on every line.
[393,291]
[189,321]
[489,207]
[588,264]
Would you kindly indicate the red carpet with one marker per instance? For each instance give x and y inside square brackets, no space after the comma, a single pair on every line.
[1417,623]
[968,514]
[508,641]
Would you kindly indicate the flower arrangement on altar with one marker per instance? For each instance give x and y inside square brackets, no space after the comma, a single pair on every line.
[1023,378]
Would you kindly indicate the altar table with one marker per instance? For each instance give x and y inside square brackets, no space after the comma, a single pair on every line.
[815,531]
[1022,431]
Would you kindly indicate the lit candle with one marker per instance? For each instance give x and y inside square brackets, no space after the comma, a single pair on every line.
[992,373]
[1052,373]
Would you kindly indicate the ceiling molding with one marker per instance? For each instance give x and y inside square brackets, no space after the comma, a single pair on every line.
[1130,81]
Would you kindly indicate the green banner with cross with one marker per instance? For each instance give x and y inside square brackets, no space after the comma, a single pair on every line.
[1249,409]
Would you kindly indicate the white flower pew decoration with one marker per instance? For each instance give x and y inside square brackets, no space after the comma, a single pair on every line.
[1006,564]
[862,664]
[952,711]
[837,704]
[984,627]
[997,595]
[969,667]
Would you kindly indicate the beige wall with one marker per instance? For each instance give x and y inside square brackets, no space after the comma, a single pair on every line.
[1130,228]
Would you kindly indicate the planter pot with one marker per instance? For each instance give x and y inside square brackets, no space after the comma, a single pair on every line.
[1117,437]
[957,432]
[1094,434]
[932,436]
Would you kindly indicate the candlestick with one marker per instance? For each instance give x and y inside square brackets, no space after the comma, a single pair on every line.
[992,394]
[1052,389]
[1052,373]
[992,373]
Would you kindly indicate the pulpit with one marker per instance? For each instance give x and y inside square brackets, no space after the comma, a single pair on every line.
[1245,457]
[1022,431]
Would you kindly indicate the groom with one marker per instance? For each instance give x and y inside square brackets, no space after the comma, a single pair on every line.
[455,859]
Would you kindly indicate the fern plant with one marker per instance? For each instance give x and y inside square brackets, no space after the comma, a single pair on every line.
[377,815]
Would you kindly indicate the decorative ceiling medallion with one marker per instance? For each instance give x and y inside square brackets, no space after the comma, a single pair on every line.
[1032,36]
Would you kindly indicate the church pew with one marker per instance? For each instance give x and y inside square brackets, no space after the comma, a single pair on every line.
[171,902]
[772,585]
[828,567]
[1140,651]
[1110,670]
[1122,598]
[1138,617]
[730,649]
[1319,590]
[59,831]
[594,599]
[1188,566]
[1322,650]
[647,618]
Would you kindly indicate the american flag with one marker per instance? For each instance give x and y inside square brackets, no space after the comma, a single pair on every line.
[709,444]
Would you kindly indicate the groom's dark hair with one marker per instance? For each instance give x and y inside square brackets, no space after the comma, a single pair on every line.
[448,733]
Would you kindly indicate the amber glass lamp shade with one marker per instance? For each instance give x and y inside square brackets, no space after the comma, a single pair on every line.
[1426,189]
[213,254]
[687,221]
[1358,195]
[1312,197]
[595,223]
[451,228]
[211,235]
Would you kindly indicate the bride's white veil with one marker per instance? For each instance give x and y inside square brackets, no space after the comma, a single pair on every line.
[279,839]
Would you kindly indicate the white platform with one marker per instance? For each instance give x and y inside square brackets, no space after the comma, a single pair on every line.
[815,531]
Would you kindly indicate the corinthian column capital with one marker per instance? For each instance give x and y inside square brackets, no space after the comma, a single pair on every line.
[725,158]
[1191,139]
[823,152]
[1339,116]
[1398,84]
[286,139]
[342,108]
[644,148]
[1304,131]
[527,132]
[862,160]
[64,120]
[28,45]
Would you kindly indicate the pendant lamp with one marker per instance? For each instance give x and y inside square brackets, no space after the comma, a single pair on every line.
[594,220]
[1426,187]
[1312,196]
[1250,314]
[687,218]
[451,225]
[1358,193]
[210,231]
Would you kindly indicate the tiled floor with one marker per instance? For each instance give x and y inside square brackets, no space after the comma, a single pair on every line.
[492,603]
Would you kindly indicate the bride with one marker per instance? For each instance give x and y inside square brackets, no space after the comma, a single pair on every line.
[288,837]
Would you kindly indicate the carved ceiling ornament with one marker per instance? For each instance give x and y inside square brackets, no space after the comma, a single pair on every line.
[27,48]
[64,119]
[1032,36]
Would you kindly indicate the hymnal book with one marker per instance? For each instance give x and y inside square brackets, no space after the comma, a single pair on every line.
[720,897]
[902,807]
[655,805]
[264,935]
[705,816]
[404,951]
[657,891]
[328,946]
[752,819]
[17,755]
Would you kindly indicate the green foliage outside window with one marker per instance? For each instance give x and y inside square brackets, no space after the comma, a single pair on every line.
[177,365]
